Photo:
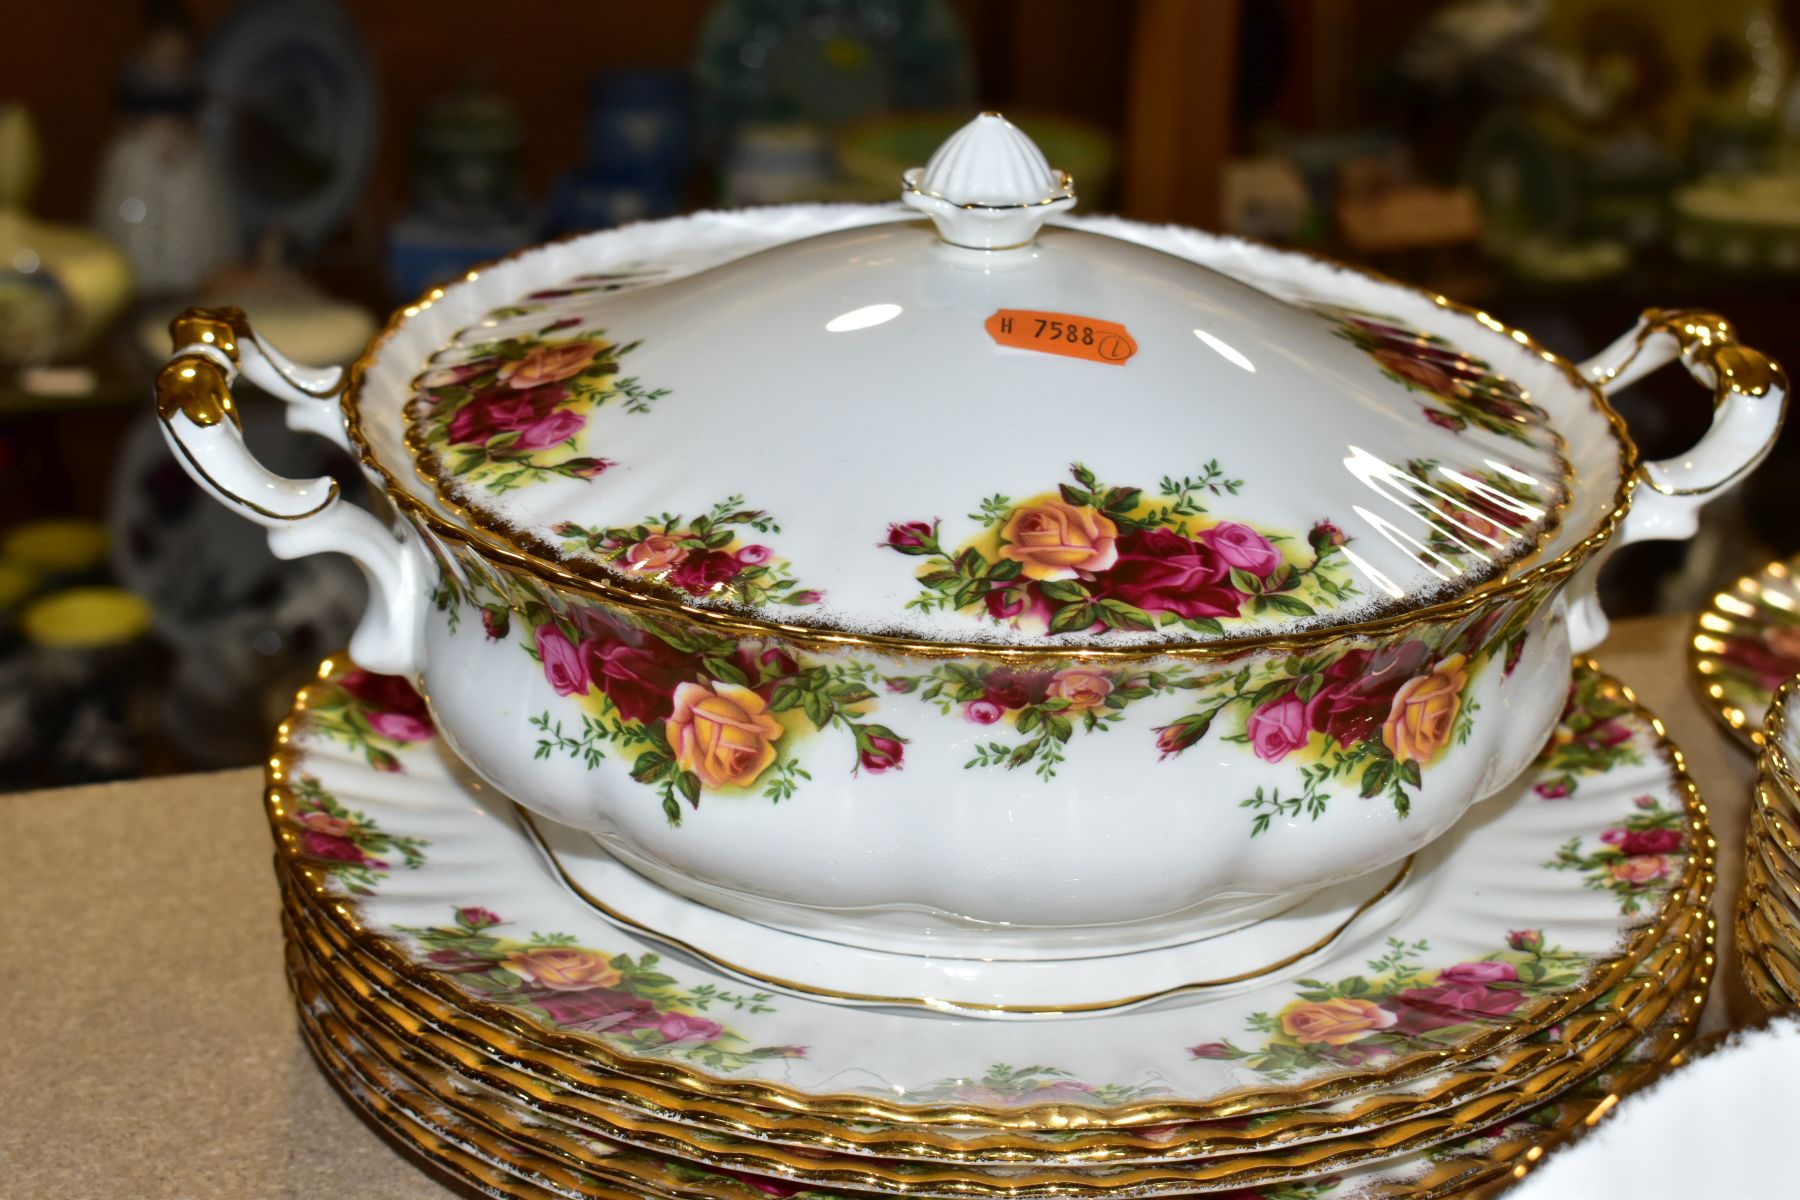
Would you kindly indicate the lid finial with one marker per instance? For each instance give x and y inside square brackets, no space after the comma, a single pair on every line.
[988,186]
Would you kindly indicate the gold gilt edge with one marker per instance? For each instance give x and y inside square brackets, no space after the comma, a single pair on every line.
[1704,663]
[640,599]
[404,1023]
[447,1144]
[1498,1166]
[529,823]
[439,1081]
[1766,941]
[1537,1014]
[429,465]
[1773,760]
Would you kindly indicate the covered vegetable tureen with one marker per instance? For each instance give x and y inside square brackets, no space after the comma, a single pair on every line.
[1001,584]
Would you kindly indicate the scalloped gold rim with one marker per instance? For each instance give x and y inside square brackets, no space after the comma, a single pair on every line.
[1509,1160]
[416,1019]
[437,1070]
[1529,1018]
[617,593]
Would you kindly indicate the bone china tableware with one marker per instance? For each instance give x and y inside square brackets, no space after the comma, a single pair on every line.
[1607,843]
[1000,585]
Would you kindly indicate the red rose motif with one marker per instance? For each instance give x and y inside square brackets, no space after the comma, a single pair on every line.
[506,411]
[390,692]
[1158,570]
[701,574]
[331,847]
[1553,789]
[639,675]
[1359,690]
[1420,1010]
[1012,688]
[1771,668]
[596,1009]
[1643,841]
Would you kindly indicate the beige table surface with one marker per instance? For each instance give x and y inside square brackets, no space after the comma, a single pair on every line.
[147,1048]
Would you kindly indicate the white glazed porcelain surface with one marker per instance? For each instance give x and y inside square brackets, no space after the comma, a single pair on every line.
[875,790]
[1293,935]
[848,384]
[1532,895]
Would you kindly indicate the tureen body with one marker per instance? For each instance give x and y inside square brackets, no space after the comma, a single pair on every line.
[946,591]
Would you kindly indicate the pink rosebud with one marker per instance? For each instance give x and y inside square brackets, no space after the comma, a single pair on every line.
[1552,789]
[476,917]
[1211,1050]
[912,537]
[1444,420]
[495,621]
[750,556]
[381,760]
[1526,939]
[983,712]
[588,468]
[1645,802]
[878,749]
[807,597]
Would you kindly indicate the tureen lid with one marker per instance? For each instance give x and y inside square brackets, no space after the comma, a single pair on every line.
[988,427]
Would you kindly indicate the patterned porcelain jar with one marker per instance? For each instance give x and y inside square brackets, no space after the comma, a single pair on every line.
[1002,584]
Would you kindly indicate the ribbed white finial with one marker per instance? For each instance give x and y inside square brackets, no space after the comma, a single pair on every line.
[988,186]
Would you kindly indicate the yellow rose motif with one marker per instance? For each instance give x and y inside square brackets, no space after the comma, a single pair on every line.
[1082,687]
[548,364]
[1335,1022]
[658,552]
[1423,715]
[562,968]
[1055,539]
[723,733]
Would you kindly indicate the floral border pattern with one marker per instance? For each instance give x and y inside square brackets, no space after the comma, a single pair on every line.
[1635,856]
[1591,738]
[696,712]
[627,1001]
[344,843]
[706,557]
[375,715]
[1460,390]
[500,413]
[1398,1006]
[1003,1085]
[1092,558]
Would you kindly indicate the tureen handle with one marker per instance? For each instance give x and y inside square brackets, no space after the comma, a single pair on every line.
[1750,393]
[200,423]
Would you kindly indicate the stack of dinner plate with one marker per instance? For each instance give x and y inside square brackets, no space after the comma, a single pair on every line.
[464,974]
[1768,913]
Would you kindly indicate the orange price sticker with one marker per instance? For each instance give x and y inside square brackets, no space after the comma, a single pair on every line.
[1062,333]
